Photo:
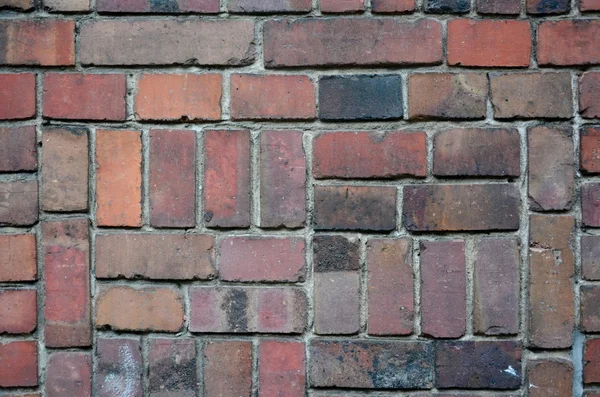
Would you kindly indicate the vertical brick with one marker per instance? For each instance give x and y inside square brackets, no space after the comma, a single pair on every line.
[392,6]
[447,6]
[18,148]
[281,369]
[496,286]
[590,204]
[228,369]
[67,5]
[503,7]
[390,287]
[282,179]
[588,309]
[272,6]
[172,367]
[568,42]
[589,85]
[18,257]
[342,6]
[17,96]
[172,178]
[590,257]
[544,7]
[67,283]
[18,311]
[65,170]
[589,149]
[158,6]
[119,363]
[69,374]
[550,378]
[18,364]
[18,203]
[227,178]
[118,178]
[443,289]
[591,361]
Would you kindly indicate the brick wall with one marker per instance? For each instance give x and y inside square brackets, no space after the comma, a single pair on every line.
[279,198]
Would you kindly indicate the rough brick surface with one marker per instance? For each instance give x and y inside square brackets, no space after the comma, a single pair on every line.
[568,42]
[19,364]
[227,368]
[158,7]
[281,368]
[18,149]
[542,7]
[589,150]
[17,96]
[18,203]
[447,6]
[270,6]
[501,7]
[18,311]
[172,367]
[119,363]
[342,6]
[590,257]
[590,204]
[392,6]
[589,83]
[18,257]
[591,367]
[550,378]
[590,315]
[69,373]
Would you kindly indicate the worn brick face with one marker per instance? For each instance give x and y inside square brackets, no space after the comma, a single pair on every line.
[172,367]
[568,42]
[227,369]
[502,7]
[589,6]
[542,7]
[24,5]
[18,203]
[590,204]
[342,6]
[281,368]
[158,7]
[69,373]
[447,6]
[17,96]
[119,367]
[589,149]
[18,364]
[18,257]
[550,378]
[18,149]
[591,362]
[590,314]
[18,311]
[392,6]
[590,257]
[67,5]
[271,6]
[589,85]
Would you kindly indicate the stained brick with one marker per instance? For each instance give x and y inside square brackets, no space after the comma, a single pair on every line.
[69,374]
[447,6]
[589,310]
[590,204]
[392,6]
[18,311]
[447,96]
[272,6]
[589,6]
[18,203]
[390,287]
[228,368]
[18,257]
[360,97]
[156,6]
[17,96]
[335,253]
[18,148]
[119,367]
[342,6]
[247,310]
[65,170]
[590,257]
[591,361]
[281,369]
[550,378]
[374,42]
[67,5]
[157,256]
[544,7]
[568,42]
[503,7]
[589,149]
[22,5]
[172,367]
[18,364]
[589,86]
[172,178]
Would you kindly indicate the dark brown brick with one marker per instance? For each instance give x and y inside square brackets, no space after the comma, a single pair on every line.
[589,149]
[172,367]
[545,7]
[447,6]
[69,374]
[590,204]
[271,6]
[505,7]
[18,203]
[18,149]
[18,257]
[119,367]
[589,309]
[228,368]
[18,311]
[591,361]
[281,368]
[335,253]
[18,364]
[568,42]
[550,378]
[589,85]
[590,257]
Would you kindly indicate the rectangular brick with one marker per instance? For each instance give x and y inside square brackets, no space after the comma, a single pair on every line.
[156,256]
[543,7]
[17,96]
[589,85]
[374,42]
[447,6]
[589,6]
[589,149]
[550,378]
[172,178]
[18,203]
[392,6]
[18,364]
[18,311]
[335,253]
[590,257]
[119,363]
[18,257]
[502,7]
[158,6]
[281,368]
[172,367]
[342,6]
[568,42]
[167,42]
[590,204]
[67,308]
[591,361]
[67,5]
[228,368]
[462,207]
[22,5]
[18,148]
[589,310]
[267,7]
[69,374]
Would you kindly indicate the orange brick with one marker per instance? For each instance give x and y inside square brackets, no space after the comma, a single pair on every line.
[17,96]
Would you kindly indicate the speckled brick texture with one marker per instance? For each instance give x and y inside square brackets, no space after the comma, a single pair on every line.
[299,198]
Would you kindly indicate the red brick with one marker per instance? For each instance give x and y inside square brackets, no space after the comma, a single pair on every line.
[157,256]
[551,267]
[342,6]
[591,6]
[489,43]
[591,394]
[272,6]
[543,7]
[368,155]
[119,363]
[179,97]
[550,378]
[17,96]
[390,287]
[443,289]
[447,96]
[18,148]
[18,364]
[505,7]
[262,259]
[591,361]
[368,208]
[67,283]
[18,257]
[172,367]
[589,310]
[392,6]
[67,5]
[496,286]
[118,178]
[69,374]
[143,6]
[18,203]
[65,170]
[590,204]
[43,42]
[282,179]
[281,369]
[551,169]
[76,96]
[18,311]
[568,42]
[172,178]
[227,178]
[247,310]
[589,149]
[589,86]
[228,369]
[477,152]
[590,257]
[374,42]
[167,42]
[22,5]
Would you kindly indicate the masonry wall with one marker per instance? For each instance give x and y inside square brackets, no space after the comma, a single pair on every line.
[299,197]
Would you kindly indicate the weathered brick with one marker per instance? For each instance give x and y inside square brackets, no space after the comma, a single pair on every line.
[447,96]
[228,368]
[589,310]
[18,257]
[368,155]
[24,395]
[18,148]
[474,394]
[172,367]
[502,7]
[67,308]
[18,203]
[271,6]
[156,256]
[550,378]
[76,96]
[262,259]
[368,208]
[282,179]
[335,254]
[281,369]
[43,42]
[443,288]
[17,96]
[360,97]
[342,6]
[478,365]
[18,364]
[65,169]
[496,286]
[589,86]
[118,178]
[158,6]
[590,204]
[392,6]
[18,311]
[591,361]
[247,310]
[374,42]
[551,267]
[447,6]
[227,178]
[371,364]
[568,42]
[179,97]
[69,374]
[21,5]
[172,178]
[589,6]
[390,287]
[119,367]
[477,152]
[167,42]
[590,257]
[551,170]
[589,149]
[67,5]
[531,95]
[544,7]
[461,207]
